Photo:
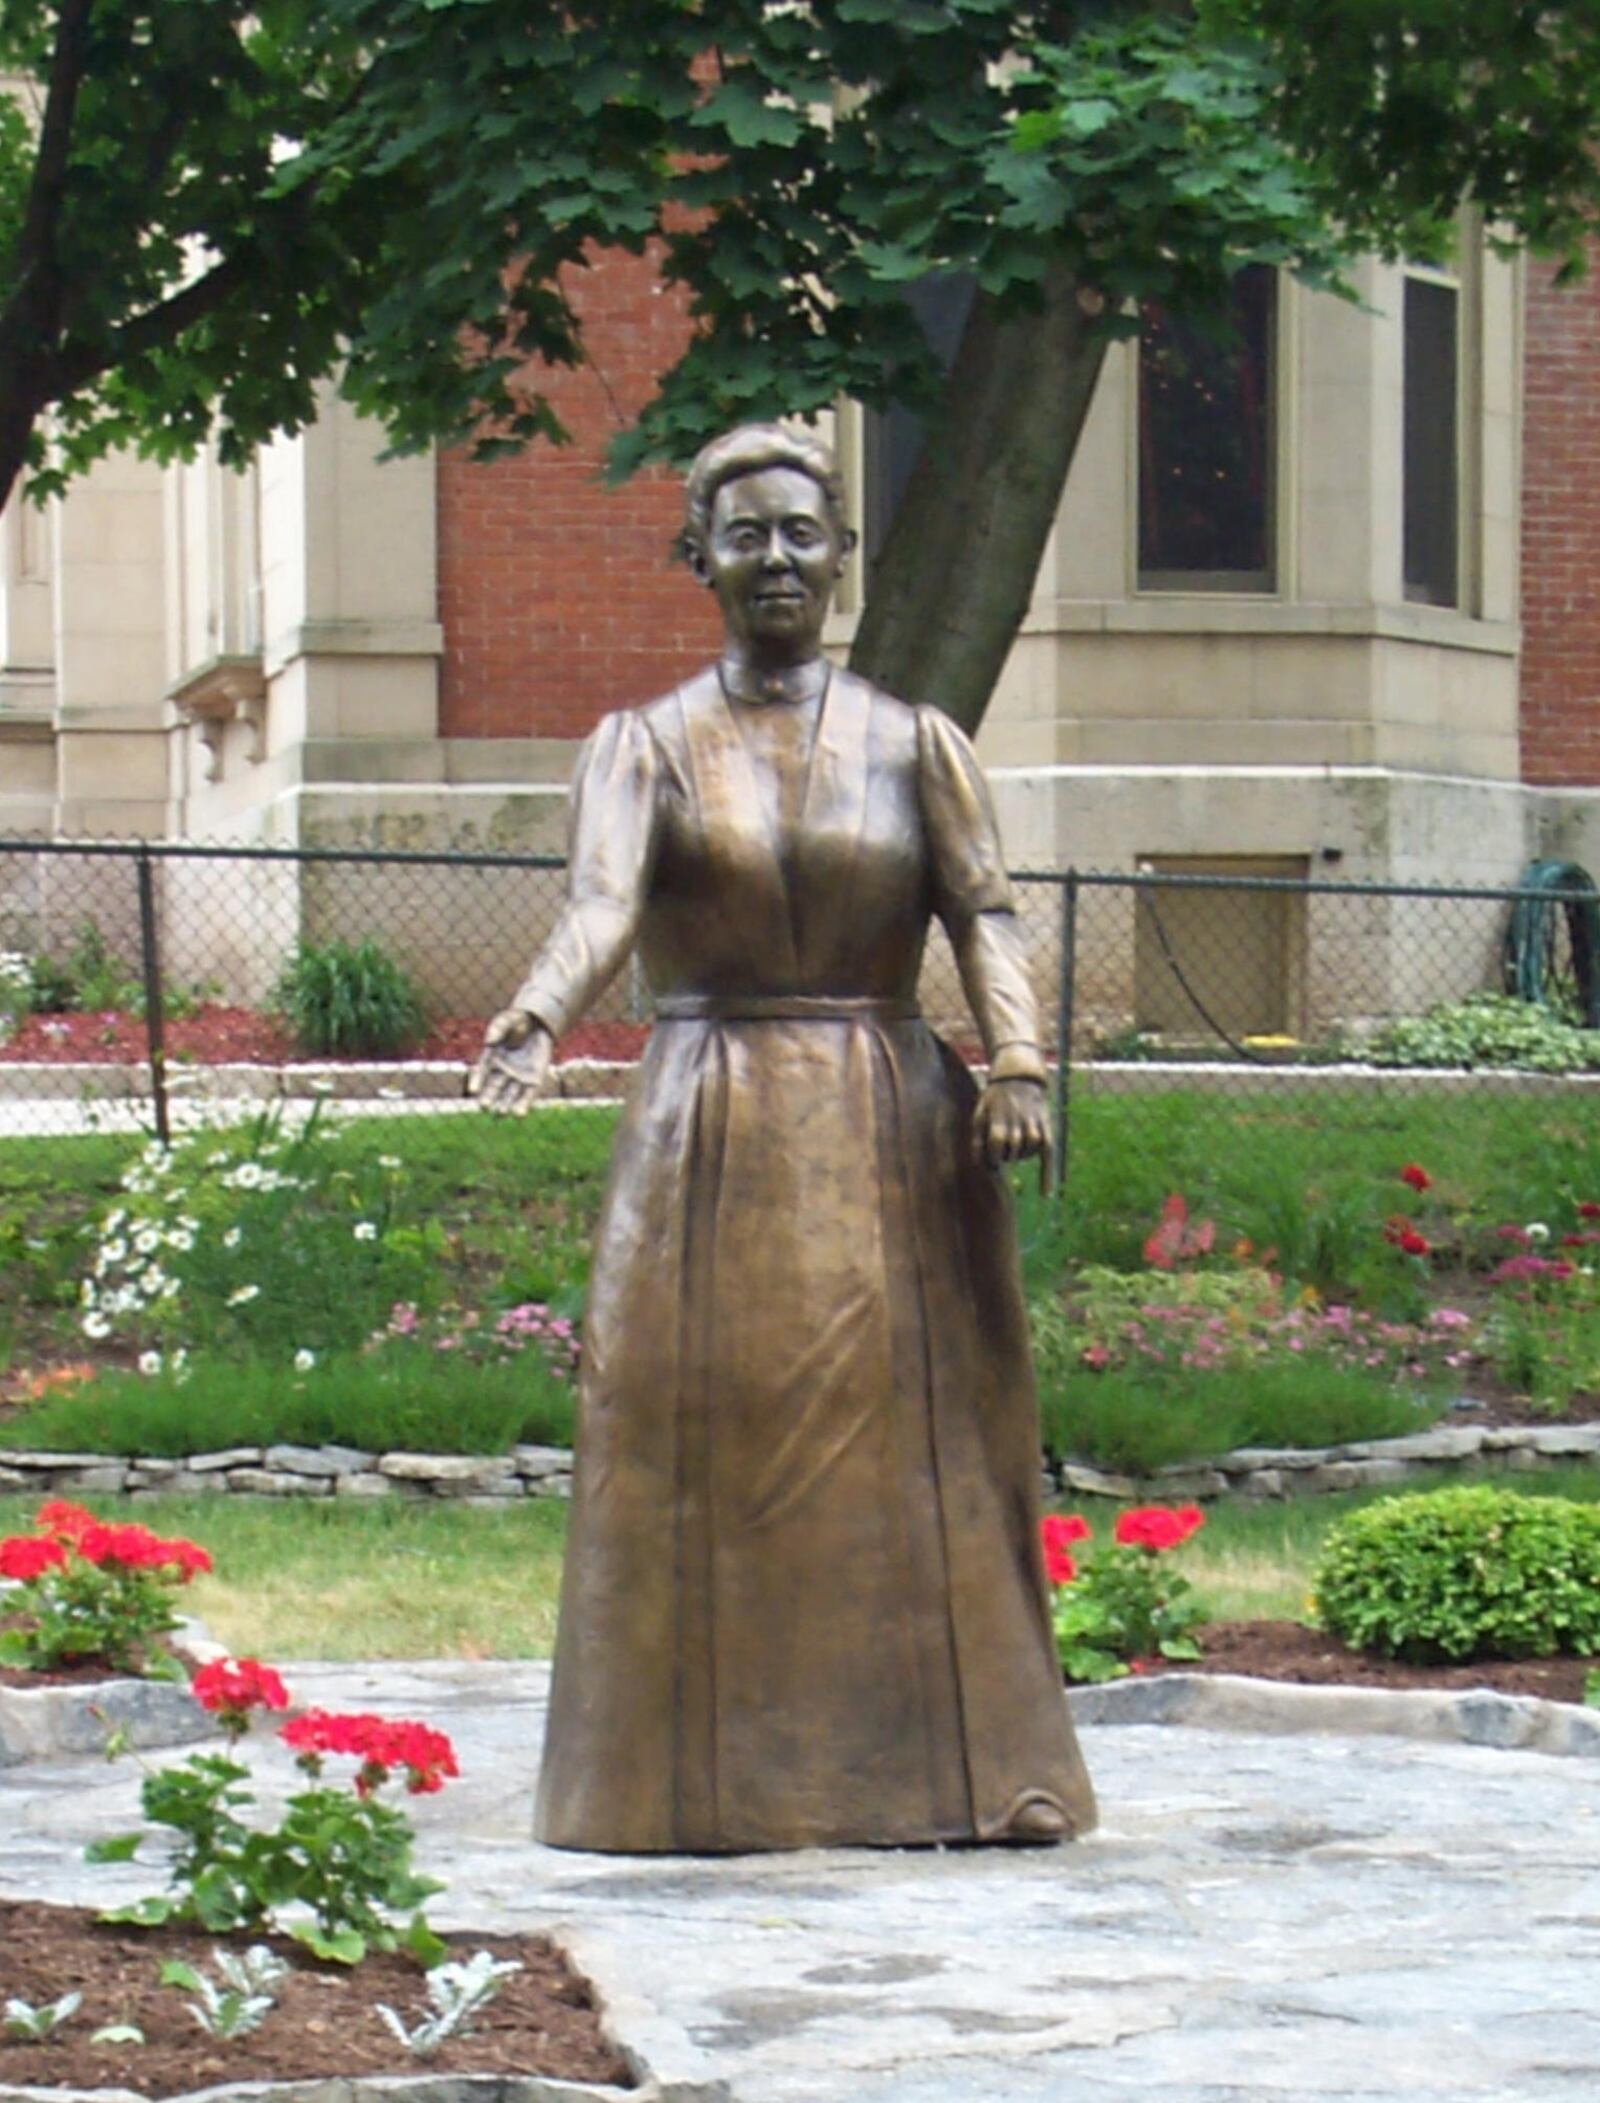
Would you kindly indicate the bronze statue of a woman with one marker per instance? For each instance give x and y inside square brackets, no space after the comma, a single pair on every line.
[803,1602]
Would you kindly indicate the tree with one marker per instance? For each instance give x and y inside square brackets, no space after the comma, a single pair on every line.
[207,206]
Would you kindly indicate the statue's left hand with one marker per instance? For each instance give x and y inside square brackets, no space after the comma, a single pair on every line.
[1012,1123]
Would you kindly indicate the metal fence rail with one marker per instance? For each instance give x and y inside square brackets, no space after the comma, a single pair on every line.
[134,976]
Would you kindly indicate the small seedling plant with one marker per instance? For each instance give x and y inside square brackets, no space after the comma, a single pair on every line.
[456,1993]
[240,1998]
[23,2019]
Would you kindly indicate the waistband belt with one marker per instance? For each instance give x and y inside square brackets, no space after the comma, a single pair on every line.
[781,1007]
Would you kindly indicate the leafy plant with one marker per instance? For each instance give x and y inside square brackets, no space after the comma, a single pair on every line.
[350,997]
[457,1992]
[279,1235]
[86,1590]
[1487,1029]
[1120,1601]
[343,1855]
[245,1997]
[23,2019]
[1474,1572]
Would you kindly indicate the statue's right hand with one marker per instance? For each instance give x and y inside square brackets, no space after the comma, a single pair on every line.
[514,1065]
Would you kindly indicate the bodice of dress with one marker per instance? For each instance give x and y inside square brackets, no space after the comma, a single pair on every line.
[754,861]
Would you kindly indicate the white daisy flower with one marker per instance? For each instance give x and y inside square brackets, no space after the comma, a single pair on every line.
[304,1361]
[114,1251]
[96,1325]
[364,1230]
[242,1295]
[149,1363]
[233,1237]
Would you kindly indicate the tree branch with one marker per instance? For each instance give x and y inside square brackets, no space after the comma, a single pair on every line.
[36,241]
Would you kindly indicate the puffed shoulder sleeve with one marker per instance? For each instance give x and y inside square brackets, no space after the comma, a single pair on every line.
[611,842]
[968,866]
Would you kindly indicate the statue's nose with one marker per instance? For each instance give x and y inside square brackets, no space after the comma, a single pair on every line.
[776,555]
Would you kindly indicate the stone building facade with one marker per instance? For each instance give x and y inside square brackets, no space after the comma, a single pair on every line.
[1354,635]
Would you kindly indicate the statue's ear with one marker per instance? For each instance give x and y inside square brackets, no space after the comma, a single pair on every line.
[848,541]
[692,549]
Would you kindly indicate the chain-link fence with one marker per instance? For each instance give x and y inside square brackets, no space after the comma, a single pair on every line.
[133,978]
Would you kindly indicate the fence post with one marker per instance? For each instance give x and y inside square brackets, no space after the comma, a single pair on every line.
[1064,1016]
[154,1016]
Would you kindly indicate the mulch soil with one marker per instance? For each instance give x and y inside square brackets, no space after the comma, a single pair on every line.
[325,2023]
[1283,1650]
[216,1035]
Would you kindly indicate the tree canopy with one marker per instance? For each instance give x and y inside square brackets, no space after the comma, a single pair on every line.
[207,206]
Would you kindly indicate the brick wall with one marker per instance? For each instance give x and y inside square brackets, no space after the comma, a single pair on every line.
[559,599]
[1560,702]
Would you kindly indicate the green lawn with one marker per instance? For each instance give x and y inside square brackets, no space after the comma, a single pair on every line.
[342,1580]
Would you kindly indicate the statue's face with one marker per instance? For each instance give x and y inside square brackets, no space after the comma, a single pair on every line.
[773,556]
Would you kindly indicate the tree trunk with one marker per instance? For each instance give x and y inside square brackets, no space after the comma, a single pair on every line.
[957,568]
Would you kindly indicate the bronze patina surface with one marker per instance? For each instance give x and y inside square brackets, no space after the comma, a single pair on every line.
[803,1603]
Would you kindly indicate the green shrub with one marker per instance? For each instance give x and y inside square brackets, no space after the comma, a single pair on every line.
[1135,1420]
[1463,1573]
[1487,1029]
[350,997]
[381,1404]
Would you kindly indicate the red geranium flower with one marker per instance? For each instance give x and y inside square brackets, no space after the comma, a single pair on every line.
[65,1521]
[1413,1243]
[1157,1526]
[1588,1208]
[426,1754]
[26,1556]
[1417,1176]
[232,1687]
[1057,1534]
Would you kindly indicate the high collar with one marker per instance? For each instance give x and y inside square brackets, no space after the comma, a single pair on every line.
[787,683]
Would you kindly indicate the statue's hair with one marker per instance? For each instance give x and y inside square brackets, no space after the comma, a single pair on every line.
[746,450]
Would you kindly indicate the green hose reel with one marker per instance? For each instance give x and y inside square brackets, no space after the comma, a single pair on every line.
[1552,942]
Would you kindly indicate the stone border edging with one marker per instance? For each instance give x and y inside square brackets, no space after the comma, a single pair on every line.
[1221,1701]
[408,2088]
[1287,1471]
[546,1471]
[301,1471]
[59,1722]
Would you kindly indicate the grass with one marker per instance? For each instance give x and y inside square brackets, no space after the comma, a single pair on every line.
[341,1580]
[1135,1422]
[337,1580]
[406,1399]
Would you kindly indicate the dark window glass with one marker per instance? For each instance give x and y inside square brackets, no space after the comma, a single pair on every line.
[1431,532]
[1206,442]
[892,438]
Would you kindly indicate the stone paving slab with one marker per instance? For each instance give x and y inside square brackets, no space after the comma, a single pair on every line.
[1316,1918]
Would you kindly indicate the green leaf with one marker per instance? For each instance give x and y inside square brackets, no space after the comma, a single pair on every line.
[118,2034]
[176,1973]
[143,1913]
[427,1947]
[121,1847]
[345,1946]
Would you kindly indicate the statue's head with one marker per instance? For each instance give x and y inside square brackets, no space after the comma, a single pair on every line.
[764,527]
[747,450]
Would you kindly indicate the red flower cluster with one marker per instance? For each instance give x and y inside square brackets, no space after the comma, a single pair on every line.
[133,1547]
[1057,1536]
[1399,1231]
[1416,1176]
[426,1754]
[232,1687]
[1157,1526]
[1174,1241]
[1588,1208]
[26,1556]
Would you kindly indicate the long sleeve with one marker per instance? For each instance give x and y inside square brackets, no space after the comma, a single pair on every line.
[973,896]
[612,829]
